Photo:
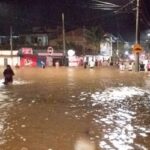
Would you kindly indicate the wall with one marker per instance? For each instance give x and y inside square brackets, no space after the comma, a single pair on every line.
[9,60]
[8,52]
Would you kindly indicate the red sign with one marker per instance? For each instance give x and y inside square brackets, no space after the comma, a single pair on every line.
[27,51]
[28,61]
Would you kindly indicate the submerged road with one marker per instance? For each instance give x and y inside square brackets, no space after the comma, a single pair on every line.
[75,109]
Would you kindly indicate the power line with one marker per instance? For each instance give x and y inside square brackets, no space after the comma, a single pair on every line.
[124,6]
[103,5]
[145,15]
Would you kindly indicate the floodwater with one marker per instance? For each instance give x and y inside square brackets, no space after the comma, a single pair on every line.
[75,109]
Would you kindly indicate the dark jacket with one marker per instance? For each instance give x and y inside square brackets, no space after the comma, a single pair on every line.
[8,74]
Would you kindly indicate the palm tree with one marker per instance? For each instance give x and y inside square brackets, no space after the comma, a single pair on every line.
[94,35]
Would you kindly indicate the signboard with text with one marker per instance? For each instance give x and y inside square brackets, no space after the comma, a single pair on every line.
[28,61]
[27,51]
[137,48]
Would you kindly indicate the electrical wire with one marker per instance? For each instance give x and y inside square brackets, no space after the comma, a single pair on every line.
[124,6]
[145,14]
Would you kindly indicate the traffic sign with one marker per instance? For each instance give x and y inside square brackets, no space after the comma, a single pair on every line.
[137,48]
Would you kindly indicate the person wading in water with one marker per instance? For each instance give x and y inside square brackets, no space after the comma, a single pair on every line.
[8,75]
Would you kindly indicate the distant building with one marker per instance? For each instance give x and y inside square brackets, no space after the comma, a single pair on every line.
[75,39]
[41,37]
[38,37]
[35,39]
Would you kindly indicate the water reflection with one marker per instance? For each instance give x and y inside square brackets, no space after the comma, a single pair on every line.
[84,144]
[15,82]
[119,132]
[5,104]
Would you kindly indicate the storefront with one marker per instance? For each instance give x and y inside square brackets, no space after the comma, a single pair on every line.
[28,60]
[52,59]
[32,58]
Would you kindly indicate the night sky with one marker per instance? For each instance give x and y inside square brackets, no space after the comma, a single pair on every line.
[23,14]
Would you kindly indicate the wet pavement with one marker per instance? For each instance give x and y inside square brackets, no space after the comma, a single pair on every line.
[75,109]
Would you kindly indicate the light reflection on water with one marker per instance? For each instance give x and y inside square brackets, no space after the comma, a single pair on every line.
[119,132]
[6,103]
[15,82]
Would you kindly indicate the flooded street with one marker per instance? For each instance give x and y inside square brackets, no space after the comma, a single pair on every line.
[71,108]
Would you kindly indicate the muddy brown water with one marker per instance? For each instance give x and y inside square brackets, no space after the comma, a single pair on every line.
[65,108]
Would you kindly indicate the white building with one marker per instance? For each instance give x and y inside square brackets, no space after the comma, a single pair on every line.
[7,58]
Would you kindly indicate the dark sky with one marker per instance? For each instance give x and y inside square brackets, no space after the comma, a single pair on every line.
[23,14]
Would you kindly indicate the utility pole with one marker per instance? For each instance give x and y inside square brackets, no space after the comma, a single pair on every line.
[84,41]
[137,38]
[11,41]
[111,50]
[11,44]
[63,34]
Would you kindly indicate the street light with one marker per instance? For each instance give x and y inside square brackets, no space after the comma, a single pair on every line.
[148,34]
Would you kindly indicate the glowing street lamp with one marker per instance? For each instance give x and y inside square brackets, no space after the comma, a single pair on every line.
[148,34]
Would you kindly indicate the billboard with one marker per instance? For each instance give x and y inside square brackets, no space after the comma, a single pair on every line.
[27,51]
[106,49]
[28,61]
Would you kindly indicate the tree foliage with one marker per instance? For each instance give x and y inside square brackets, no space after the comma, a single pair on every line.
[94,35]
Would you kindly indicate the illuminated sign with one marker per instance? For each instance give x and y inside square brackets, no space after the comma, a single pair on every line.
[27,51]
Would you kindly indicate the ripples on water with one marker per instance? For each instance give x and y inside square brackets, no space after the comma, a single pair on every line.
[119,109]
[6,103]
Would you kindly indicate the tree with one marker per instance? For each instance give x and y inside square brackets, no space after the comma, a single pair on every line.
[94,35]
